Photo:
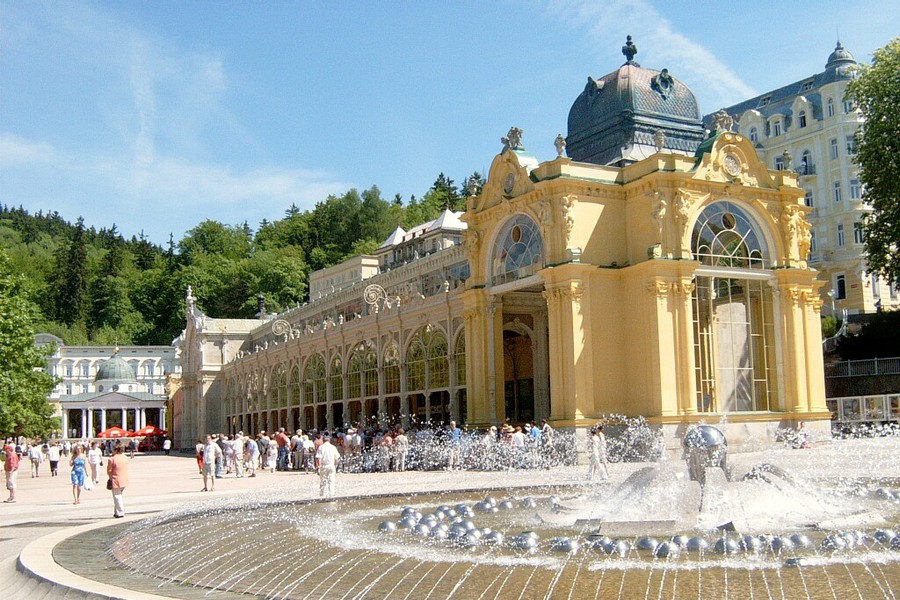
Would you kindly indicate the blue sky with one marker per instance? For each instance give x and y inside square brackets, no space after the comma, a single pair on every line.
[157,115]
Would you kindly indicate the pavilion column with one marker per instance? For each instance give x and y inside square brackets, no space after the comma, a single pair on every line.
[64,422]
[84,423]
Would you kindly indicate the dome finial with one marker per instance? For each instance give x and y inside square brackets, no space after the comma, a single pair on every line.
[629,49]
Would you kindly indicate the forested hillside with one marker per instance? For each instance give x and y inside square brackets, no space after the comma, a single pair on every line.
[96,286]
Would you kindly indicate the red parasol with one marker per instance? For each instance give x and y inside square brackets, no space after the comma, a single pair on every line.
[150,431]
[115,432]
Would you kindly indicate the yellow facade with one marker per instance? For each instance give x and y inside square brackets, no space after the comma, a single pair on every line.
[620,286]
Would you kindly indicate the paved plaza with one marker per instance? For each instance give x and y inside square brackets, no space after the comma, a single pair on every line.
[44,513]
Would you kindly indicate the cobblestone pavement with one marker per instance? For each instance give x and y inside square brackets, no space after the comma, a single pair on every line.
[45,514]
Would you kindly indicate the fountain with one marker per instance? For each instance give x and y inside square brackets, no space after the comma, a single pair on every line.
[774,531]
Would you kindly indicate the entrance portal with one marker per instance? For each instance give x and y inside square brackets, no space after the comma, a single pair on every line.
[518,356]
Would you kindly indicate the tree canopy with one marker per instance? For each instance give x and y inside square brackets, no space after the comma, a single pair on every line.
[24,381]
[876,91]
[97,287]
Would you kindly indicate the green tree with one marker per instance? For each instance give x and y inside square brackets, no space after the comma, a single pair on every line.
[214,238]
[69,281]
[876,91]
[24,381]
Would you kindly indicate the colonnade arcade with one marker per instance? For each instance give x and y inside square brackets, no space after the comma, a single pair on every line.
[381,381]
[88,421]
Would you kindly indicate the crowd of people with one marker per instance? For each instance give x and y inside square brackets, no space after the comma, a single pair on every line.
[359,449]
[85,459]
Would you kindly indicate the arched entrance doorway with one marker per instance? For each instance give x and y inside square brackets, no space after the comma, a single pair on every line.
[518,369]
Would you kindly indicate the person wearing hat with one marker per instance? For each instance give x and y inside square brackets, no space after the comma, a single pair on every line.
[11,469]
[327,459]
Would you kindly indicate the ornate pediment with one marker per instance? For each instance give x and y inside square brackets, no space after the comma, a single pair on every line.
[731,159]
[509,176]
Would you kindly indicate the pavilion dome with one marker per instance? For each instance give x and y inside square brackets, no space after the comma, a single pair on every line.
[115,369]
[630,113]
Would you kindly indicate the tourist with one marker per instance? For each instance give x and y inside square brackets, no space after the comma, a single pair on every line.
[401,445]
[517,441]
[262,442]
[309,454]
[77,463]
[272,455]
[547,445]
[297,450]
[327,459]
[220,458]
[251,455]
[385,452]
[94,460]
[53,456]
[598,454]
[36,455]
[454,438]
[803,436]
[283,442]
[167,446]
[212,455]
[237,454]
[117,470]
[11,470]
[198,449]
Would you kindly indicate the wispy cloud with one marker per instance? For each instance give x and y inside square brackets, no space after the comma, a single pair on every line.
[605,25]
[16,151]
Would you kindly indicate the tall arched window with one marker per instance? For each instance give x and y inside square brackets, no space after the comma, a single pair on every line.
[518,251]
[725,237]
[733,313]
[354,374]
[754,135]
[460,354]
[415,366]
[314,380]
[337,379]
[392,369]
[438,365]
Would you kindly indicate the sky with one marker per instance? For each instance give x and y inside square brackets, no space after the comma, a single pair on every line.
[156,116]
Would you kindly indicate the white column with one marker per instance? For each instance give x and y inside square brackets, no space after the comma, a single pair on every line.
[89,430]
[64,422]
[84,414]
[102,420]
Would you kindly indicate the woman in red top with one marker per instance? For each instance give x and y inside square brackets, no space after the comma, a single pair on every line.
[11,468]
[117,469]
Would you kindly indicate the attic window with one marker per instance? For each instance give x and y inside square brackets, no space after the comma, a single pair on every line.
[765,101]
[808,85]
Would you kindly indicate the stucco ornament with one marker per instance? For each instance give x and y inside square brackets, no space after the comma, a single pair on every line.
[567,210]
[796,230]
[663,83]
[560,143]
[659,140]
[513,139]
[373,295]
[722,121]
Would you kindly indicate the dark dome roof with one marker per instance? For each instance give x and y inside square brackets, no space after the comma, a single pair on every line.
[839,57]
[115,369]
[615,119]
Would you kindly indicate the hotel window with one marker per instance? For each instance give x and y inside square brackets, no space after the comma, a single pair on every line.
[851,145]
[808,85]
[840,235]
[855,189]
[876,286]
[68,370]
[765,101]
[849,107]
[808,198]
[893,292]
[85,370]
[834,148]
[812,240]
[829,107]
[837,191]
[754,135]
[69,390]
[806,163]
[840,287]
[779,163]
[857,233]
[776,128]
[802,119]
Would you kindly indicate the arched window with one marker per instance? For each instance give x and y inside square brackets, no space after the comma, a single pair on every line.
[354,374]
[370,372]
[733,313]
[806,163]
[724,236]
[415,366]
[438,365]
[314,380]
[392,369]
[460,355]
[829,107]
[518,251]
[337,379]
[801,119]
[754,134]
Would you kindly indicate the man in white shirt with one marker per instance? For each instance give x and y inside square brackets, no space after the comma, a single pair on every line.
[327,459]
[212,453]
